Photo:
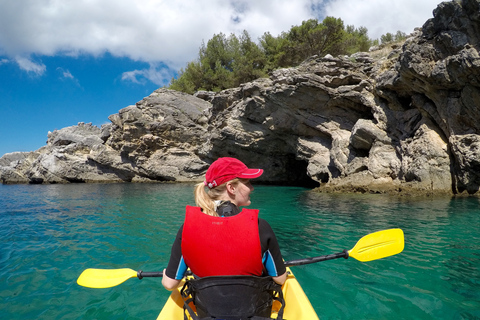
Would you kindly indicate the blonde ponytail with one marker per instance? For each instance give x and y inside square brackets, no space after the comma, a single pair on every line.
[205,200]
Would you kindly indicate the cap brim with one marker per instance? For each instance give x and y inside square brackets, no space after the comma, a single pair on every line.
[250,174]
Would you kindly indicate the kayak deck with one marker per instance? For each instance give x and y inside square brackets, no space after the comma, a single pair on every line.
[297,305]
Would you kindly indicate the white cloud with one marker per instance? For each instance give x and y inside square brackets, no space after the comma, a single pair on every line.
[158,74]
[29,66]
[66,75]
[148,30]
[172,31]
[381,16]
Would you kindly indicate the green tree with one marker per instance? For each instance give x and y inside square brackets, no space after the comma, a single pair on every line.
[308,39]
[249,60]
[272,49]
[190,79]
[357,40]
[216,59]
[400,36]
[386,38]
[223,63]
[389,37]
[226,62]
[333,36]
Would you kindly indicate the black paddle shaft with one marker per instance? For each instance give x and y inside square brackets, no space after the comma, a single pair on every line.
[141,274]
[291,263]
[300,262]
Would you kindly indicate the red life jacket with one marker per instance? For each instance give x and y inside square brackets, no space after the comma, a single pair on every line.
[215,246]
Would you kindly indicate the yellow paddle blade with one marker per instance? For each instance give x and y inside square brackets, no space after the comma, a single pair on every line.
[378,245]
[105,278]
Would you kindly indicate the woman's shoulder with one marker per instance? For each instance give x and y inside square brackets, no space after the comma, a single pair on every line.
[264,226]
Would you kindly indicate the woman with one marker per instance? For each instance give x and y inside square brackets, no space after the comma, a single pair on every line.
[217,239]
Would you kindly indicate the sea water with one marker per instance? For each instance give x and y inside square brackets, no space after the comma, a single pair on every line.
[49,234]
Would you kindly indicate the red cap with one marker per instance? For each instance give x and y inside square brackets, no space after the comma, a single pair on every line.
[226,169]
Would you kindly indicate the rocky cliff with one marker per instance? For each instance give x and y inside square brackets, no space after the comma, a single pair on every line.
[405,120]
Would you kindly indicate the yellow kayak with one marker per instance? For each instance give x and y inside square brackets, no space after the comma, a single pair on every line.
[297,305]
[373,246]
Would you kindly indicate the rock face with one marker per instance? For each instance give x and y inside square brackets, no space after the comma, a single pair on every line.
[409,121]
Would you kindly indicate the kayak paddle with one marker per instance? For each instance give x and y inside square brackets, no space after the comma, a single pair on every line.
[106,278]
[373,246]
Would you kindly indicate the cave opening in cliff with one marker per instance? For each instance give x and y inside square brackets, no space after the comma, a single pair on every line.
[298,172]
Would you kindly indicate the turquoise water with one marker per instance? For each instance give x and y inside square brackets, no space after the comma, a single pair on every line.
[50,233]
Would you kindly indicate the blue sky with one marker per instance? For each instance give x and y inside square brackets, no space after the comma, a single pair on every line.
[70,90]
[64,62]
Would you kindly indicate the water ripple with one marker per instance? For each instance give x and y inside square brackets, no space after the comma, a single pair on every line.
[50,234]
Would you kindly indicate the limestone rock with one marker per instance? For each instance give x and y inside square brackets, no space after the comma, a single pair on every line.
[406,119]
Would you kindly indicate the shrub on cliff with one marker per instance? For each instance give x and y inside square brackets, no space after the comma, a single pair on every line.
[226,62]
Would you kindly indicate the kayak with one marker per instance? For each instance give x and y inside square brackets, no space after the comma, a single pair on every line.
[297,305]
[373,246]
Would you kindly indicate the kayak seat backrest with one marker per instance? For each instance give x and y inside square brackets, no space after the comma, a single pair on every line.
[232,297]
